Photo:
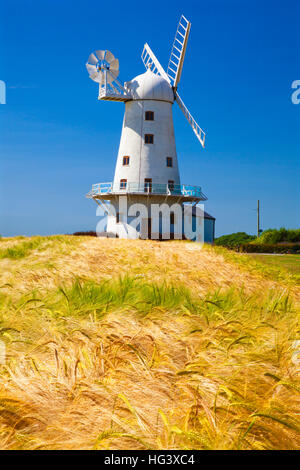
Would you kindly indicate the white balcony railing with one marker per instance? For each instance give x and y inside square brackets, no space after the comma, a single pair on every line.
[101,189]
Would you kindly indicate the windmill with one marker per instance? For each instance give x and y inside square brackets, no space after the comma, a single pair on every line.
[147,167]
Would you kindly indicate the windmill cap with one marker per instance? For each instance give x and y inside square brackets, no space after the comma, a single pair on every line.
[150,86]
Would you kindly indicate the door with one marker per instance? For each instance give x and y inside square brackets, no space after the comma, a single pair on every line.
[148,185]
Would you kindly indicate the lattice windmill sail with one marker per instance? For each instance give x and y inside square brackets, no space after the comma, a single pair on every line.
[178,51]
[174,70]
[151,63]
[145,171]
[200,134]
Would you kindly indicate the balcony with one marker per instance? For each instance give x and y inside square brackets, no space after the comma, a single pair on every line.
[185,191]
[113,93]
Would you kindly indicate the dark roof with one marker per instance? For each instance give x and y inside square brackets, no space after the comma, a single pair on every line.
[208,216]
[198,211]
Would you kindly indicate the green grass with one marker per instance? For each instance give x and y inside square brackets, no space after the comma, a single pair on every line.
[259,265]
[86,297]
[26,246]
[289,262]
[20,250]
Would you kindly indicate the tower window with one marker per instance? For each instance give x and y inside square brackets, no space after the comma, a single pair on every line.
[123,184]
[148,185]
[149,116]
[169,161]
[125,161]
[171,185]
[149,138]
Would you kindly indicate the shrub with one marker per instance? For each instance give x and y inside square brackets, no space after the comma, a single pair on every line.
[91,233]
[269,248]
[272,236]
[234,239]
[270,241]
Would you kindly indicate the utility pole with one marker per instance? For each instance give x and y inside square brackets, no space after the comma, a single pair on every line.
[258,229]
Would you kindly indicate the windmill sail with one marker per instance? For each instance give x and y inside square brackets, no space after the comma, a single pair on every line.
[151,62]
[178,51]
[200,134]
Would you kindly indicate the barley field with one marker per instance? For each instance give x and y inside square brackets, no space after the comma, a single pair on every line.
[120,344]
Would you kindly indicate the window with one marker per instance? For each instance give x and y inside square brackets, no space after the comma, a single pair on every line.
[149,116]
[148,185]
[123,184]
[149,138]
[172,218]
[169,161]
[171,185]
[125,161]
[118,217]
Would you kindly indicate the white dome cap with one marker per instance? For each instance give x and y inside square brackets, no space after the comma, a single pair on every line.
[150,86]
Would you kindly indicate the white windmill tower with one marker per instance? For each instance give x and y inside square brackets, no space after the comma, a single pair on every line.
[147,168]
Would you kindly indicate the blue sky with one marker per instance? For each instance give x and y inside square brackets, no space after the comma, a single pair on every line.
[56,138]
